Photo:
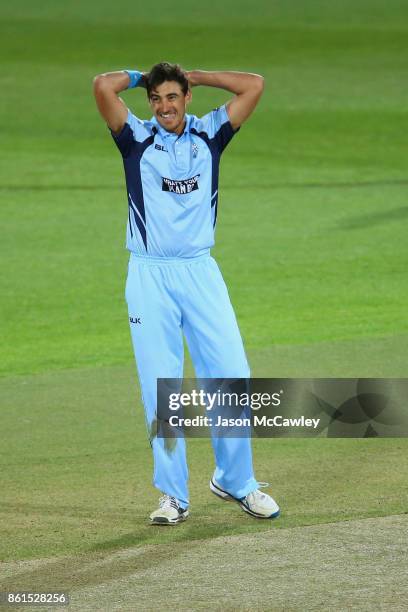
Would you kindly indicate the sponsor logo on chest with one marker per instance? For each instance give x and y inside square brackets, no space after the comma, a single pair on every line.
[181,187]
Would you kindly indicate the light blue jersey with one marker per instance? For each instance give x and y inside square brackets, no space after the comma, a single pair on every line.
[172,183]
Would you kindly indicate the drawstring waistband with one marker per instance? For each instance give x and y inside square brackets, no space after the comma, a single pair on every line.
[148,259]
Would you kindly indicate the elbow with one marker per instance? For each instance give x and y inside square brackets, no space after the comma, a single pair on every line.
[259,83]
[99,82]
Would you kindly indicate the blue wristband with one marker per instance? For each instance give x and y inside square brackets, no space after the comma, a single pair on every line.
[134,78]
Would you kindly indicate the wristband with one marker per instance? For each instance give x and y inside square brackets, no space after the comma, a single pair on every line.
[134,78]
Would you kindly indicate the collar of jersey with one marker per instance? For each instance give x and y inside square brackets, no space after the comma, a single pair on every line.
[165,134]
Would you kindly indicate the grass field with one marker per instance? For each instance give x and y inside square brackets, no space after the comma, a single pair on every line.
[311,239]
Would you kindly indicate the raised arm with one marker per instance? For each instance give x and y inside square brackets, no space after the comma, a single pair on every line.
[246,86]
[106,88]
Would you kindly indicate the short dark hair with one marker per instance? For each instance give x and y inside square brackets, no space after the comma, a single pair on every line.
[166,72]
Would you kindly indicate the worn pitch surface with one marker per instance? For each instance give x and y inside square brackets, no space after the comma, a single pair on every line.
[359,565]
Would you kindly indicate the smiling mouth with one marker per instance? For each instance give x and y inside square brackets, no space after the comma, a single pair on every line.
[167,115]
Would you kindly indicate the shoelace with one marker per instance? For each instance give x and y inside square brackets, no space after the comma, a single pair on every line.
[257,492]
[168,502]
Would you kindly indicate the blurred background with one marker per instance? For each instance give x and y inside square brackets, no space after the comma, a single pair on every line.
[311,229]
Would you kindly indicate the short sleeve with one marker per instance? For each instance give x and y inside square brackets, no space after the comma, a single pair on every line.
[133,131]
[218,127]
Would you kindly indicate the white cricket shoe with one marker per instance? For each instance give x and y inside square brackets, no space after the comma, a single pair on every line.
[255,503]
[169,512]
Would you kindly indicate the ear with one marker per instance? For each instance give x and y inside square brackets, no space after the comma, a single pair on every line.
[188,97]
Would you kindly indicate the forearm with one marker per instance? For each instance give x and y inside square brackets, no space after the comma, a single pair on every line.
[107,87]
[106,91]
[246,86]
[115,81]
[235,82]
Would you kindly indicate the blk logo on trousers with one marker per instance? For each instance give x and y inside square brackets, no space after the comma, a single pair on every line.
[135,320]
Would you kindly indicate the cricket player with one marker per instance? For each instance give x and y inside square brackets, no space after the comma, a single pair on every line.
[174,286]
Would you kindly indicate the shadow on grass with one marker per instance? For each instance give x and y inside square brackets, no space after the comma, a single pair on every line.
[86,570]
[364,221]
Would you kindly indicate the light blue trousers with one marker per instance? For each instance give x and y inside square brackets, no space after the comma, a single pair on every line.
[166,298]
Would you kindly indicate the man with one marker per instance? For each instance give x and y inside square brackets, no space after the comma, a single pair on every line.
[174,286]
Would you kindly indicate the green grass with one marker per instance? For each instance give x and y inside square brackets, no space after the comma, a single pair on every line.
[311,239]
[311,227]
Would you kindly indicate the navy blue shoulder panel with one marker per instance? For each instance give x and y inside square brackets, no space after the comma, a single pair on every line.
[123,139]
[216,146]
[224,135]
[132,152]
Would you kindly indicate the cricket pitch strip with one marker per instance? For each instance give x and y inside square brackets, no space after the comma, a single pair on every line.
[359,565]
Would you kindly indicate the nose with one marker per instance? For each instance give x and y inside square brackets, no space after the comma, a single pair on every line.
[165,107]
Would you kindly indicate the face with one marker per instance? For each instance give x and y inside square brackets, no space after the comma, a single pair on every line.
[169,104]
